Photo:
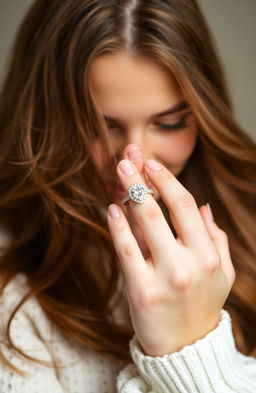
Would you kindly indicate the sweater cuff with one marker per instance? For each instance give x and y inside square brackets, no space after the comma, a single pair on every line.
[211,364]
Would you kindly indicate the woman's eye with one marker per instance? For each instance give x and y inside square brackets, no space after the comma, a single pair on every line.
[163,126]
[176,126]
[113,127]
[110,125]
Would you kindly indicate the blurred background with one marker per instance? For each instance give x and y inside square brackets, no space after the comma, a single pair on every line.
[234,29]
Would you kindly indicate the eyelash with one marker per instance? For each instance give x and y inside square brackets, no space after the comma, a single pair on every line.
[171,127]
[178,126]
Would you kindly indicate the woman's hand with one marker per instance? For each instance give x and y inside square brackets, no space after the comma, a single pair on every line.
[134,153]
[176,294]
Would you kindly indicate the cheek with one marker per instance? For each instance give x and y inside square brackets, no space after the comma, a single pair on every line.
[178,147]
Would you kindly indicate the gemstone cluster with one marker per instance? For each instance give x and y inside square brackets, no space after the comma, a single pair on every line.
[138,192]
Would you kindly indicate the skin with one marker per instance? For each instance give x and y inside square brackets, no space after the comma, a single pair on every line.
[136,90]
[176,292]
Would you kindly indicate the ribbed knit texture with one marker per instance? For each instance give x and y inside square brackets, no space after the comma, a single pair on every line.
[211,364]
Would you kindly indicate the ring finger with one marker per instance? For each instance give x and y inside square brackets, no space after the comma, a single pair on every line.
[149,215]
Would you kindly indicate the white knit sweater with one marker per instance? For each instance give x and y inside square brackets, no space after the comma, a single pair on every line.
[211,365]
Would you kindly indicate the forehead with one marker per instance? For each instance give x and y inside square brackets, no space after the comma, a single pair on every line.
[122,84]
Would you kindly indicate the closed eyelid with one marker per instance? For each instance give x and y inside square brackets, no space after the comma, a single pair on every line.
[176,114]
[176,118]
[161,117]
[168,126]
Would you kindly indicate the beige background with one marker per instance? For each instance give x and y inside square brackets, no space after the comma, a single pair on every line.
[233,26]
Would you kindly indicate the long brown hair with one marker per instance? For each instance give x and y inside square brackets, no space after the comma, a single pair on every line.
[53,197]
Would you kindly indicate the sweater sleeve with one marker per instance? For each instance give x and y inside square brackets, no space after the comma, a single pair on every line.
[210,365]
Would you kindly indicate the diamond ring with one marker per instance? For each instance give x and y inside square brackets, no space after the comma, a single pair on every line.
[137,192]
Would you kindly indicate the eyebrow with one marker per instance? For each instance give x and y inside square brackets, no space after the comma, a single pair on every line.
[177,108]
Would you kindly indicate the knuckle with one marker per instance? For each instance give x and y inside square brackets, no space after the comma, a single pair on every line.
[224,235]
[121,227]
[186,201]
[127,251]
[211,263]
[151,213]
[165,176]
[181,281]
[232,275]
[211,268]
[148,298]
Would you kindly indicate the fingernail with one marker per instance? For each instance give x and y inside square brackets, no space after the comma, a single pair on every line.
[114,211]
[126,167]
[153,165]
[209,211]
[134,155]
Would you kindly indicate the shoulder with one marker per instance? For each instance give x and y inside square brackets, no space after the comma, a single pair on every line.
[12,296]
[14,290]
[29,328]
[30,333]
[35,335]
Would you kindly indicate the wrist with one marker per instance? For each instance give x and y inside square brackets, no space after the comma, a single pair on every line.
[171,343]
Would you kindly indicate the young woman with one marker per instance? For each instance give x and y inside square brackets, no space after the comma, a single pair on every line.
[117,135]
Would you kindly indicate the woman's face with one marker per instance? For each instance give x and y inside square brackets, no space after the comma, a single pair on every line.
[132,93]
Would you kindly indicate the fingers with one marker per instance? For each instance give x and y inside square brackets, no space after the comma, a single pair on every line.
[126,246]
[134,153]
[149,216]
[220,240]
[183,211]
[138,234]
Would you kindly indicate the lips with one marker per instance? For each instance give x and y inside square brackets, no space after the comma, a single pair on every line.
[120,187]
[116,185]
[120,191]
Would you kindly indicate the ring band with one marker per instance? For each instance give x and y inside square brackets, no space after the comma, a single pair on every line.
[137,192]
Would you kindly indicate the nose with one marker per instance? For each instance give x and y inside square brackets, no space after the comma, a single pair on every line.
[137,136]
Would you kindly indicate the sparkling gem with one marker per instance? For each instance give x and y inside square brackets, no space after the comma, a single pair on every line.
[138,192]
